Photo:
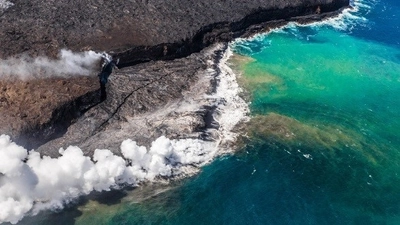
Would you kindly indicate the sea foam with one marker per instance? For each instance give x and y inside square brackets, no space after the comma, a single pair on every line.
[349,18]
[345,21]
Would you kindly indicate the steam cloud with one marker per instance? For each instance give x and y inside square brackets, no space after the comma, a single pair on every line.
[68,64]
[5,4]
[29,183]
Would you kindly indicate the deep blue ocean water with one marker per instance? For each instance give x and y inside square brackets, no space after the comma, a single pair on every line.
[323,144]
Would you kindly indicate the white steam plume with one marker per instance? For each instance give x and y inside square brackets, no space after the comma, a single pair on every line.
[29,183]
[5,4]
[67,64]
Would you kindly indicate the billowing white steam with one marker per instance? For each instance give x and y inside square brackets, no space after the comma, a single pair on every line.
[29,183]
[67,64]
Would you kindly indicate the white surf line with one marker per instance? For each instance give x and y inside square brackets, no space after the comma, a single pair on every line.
[348,18]
[344,21]
[231,108]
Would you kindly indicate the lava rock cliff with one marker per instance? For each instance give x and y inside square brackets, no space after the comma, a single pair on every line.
[161,47]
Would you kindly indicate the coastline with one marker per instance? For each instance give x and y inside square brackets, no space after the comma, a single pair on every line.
[215,118]
[277,192]
[34,127]
[171,37]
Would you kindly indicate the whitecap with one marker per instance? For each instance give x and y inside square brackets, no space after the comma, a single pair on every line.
[347,20]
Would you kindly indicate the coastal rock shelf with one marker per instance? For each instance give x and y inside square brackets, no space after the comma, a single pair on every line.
[142,34]
[46,26]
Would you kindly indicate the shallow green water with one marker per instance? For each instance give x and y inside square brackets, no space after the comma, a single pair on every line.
[322,146]
[332,99]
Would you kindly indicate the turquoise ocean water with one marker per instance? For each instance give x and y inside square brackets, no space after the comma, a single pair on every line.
[323,145]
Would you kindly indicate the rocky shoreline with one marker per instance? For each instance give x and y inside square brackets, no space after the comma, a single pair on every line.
[162,61]
[142,26]
[181,107]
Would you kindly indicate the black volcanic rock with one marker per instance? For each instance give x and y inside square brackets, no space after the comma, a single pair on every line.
[38,26]
[146,98]
[143,103]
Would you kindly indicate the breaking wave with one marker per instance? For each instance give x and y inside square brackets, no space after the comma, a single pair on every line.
[345,21]
[350,17]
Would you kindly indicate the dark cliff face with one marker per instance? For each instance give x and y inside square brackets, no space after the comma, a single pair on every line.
[137,31]
[38,26]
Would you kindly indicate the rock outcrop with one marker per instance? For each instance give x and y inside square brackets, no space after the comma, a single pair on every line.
[146,98]
[143,103]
